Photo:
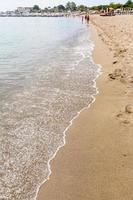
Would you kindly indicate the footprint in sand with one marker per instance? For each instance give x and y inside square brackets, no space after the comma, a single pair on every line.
[126,117]
[118,74]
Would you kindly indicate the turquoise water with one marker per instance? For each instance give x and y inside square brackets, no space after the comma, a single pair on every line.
[46,77]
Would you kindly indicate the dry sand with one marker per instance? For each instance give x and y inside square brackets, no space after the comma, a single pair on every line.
[97,160]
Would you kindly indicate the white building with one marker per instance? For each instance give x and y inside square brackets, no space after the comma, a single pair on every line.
[24,9]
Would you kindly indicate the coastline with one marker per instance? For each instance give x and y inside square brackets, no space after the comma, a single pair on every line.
[66,131]
[93,162]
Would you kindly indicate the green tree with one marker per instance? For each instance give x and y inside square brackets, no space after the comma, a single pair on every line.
[101,7]
[129,4]
[118,5]
[115,5]
[94,8]
[71,6]
[54,9]
[61,8]
[82,8]
[36,7]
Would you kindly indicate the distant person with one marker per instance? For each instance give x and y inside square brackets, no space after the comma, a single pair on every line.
[88,19]
[82,19]
[85,17]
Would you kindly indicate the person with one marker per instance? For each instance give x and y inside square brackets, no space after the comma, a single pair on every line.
[82,19]
[88,19]
[85,17]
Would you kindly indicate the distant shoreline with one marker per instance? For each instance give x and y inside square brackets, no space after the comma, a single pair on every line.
[34,16]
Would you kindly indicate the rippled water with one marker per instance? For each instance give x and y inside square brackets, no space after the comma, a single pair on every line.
[46,77]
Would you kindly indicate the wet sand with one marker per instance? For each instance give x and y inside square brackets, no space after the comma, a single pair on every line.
[96,162]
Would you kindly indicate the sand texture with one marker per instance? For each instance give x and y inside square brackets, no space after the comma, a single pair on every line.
[97,160]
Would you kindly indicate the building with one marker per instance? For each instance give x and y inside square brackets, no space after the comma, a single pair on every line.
[24,9]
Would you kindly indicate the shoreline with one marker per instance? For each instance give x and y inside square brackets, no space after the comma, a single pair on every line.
[66,131]
[97,138]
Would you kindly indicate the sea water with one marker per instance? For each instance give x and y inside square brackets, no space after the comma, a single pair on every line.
[47,76]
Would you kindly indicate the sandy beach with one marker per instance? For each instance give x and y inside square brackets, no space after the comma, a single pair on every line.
[96,162]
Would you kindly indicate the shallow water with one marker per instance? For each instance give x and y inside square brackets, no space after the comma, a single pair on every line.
[46,77]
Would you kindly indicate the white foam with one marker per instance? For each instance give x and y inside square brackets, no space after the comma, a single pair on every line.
[72,121]
[46,91]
